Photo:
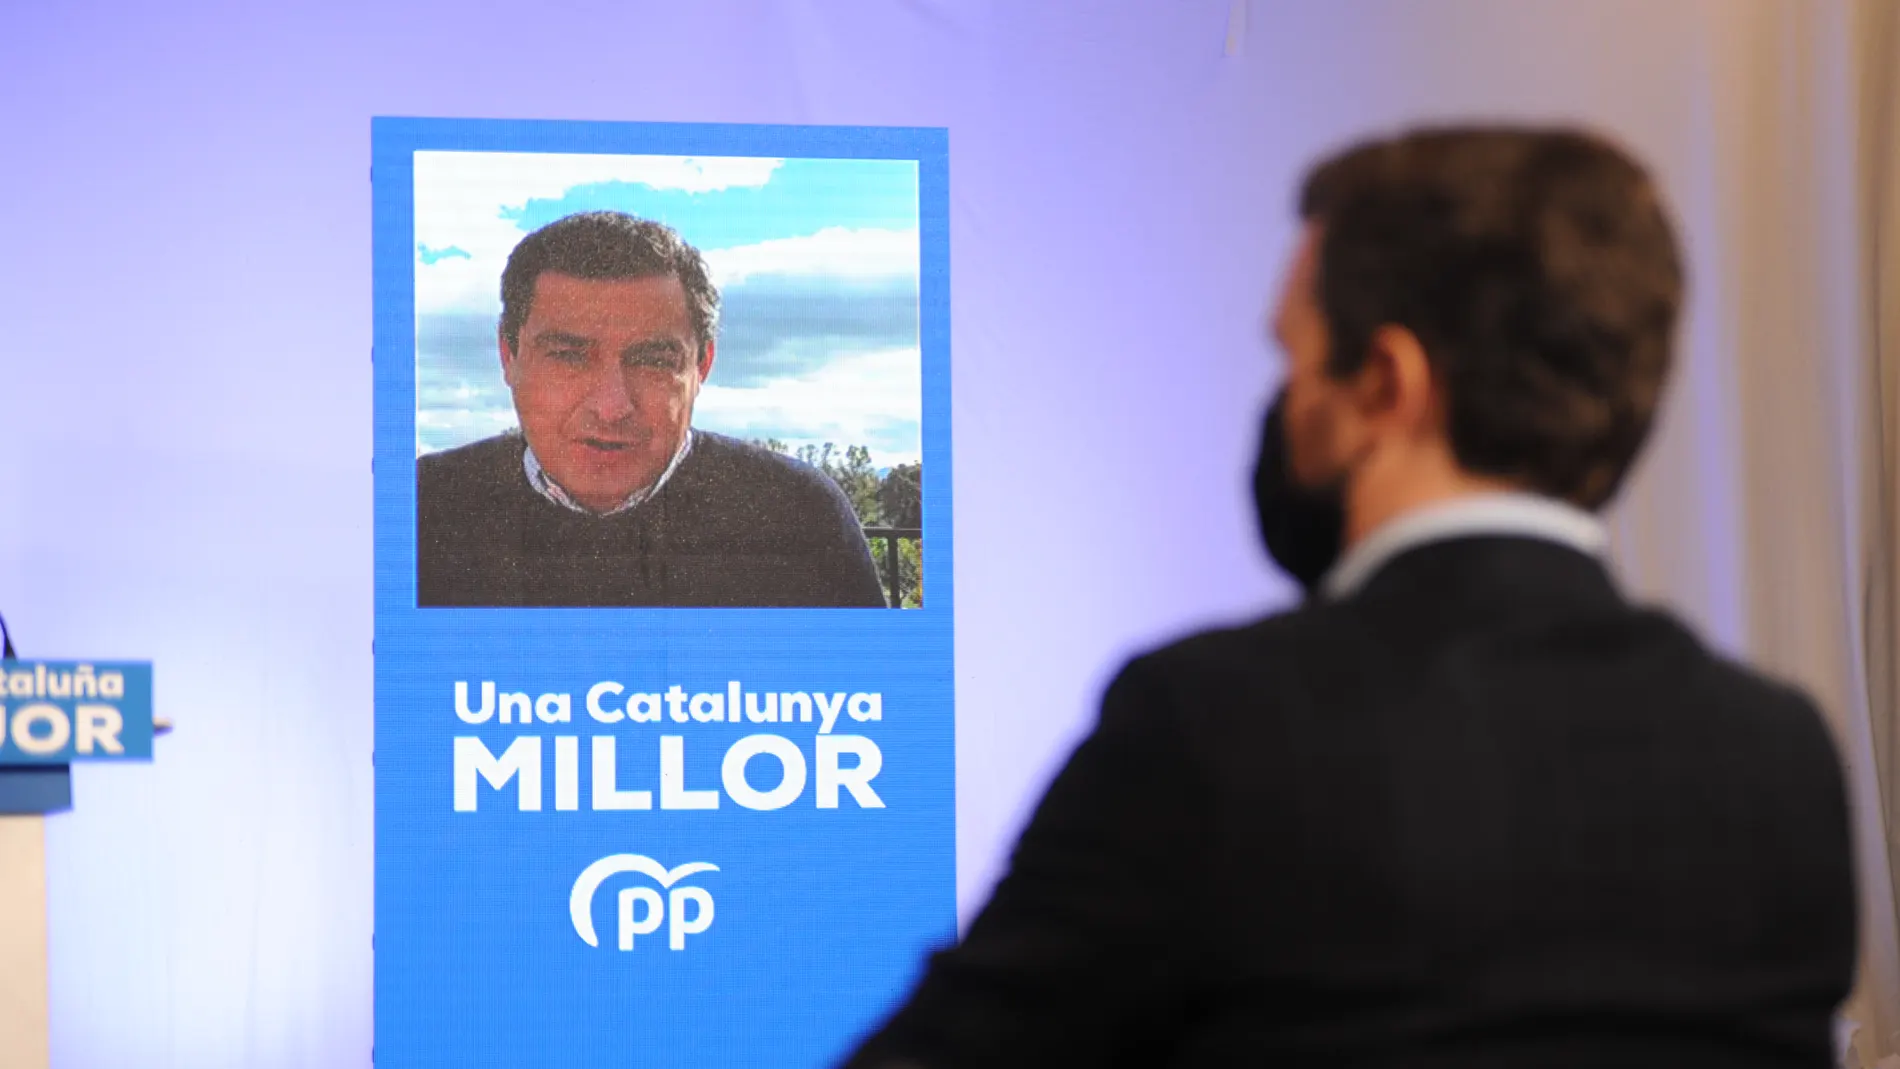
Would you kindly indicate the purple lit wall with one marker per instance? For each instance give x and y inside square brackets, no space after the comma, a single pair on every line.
[184,282]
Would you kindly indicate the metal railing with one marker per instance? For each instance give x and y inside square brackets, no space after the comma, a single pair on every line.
[893,560]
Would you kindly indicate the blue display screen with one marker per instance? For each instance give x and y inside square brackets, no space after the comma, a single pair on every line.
[664,606]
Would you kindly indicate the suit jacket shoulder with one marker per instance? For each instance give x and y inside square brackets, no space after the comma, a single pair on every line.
[1485,812]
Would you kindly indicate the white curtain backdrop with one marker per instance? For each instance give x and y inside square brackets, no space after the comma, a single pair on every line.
[1778,411]
[185,268]
[1876,450]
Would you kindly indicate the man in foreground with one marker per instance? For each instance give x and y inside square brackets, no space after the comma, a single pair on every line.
[607,495]
[1467,806]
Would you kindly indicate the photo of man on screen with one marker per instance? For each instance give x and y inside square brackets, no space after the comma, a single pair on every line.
[605,494]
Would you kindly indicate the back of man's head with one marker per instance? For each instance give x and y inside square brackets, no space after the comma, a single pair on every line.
[1540,274]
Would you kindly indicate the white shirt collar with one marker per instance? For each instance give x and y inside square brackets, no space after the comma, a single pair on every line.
[546,486]
[1522,515]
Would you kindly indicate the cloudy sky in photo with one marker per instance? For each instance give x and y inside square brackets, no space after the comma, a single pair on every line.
[816,261]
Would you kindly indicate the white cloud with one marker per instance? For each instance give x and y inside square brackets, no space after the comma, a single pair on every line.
[834,252]
[458,285]
[473,285]
[449,427]
[871,398]
[518,177]
[460,197]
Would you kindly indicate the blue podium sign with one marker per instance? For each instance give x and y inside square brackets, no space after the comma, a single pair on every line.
[60,712]
[665,749]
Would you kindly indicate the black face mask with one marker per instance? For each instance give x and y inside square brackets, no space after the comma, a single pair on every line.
[1303,528]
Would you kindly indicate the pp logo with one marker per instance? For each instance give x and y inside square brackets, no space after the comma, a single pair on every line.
[580,904]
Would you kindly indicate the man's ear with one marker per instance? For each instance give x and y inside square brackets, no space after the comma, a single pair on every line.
[706,360]
[507,357]
[1396,384]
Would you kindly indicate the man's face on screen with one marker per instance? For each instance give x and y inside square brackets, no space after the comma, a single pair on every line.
[604,376]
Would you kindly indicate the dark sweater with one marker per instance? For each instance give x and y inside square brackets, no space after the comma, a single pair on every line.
[736,525]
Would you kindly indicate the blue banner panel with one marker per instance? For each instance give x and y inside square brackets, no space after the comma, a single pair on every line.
[35,789]
[59,712]
[664,662]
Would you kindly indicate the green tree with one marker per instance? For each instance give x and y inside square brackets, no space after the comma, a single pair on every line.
[910,572]
[851,469]
[900,496]
[900,500]
[894,499]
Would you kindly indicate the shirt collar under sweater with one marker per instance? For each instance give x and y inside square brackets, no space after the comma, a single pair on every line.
[544,485]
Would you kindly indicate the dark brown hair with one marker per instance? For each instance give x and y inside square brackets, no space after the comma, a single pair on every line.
[607,245]
[1539,270]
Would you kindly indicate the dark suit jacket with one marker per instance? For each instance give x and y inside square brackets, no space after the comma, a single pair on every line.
[1483,813]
